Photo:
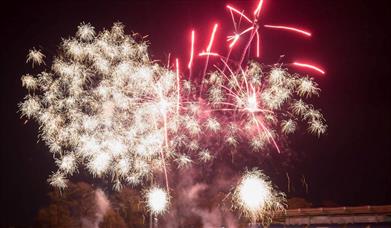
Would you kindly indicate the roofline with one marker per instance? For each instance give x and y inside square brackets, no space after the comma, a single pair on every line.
[384,210]
[335,215]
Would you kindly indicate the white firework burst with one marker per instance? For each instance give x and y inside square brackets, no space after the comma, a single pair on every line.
[157,200]
[35,57]
[85,31]
[105,105]
[256,198]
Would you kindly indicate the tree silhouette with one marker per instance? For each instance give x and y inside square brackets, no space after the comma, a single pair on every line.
[77,206]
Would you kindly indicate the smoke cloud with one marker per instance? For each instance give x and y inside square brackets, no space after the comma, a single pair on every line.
[201,203]
[102,206]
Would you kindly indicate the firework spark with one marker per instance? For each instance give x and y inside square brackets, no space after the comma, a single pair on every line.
[256,198]
[157,200]
[35,57]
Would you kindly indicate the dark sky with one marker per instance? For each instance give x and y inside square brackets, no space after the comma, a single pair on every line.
[351,165]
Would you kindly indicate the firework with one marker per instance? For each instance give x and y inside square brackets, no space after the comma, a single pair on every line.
[103,105]
[256,198]
[106,106]
[264,102]
[157,200]
[35,57]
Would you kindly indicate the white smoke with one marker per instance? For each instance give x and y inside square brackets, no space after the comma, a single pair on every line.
[215,218]
[102,206]
[191,199]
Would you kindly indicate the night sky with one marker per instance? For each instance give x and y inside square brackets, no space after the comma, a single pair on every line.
[350,165]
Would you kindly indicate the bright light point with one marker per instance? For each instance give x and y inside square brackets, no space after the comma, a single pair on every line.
[309,66]
[252,105]
[303,32]
[256,198]
[235,38]
[157,200]
[253,193]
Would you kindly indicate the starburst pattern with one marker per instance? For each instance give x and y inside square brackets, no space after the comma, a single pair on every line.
[35,57]
[257,198]
[106,107]
[157,200]
[262,100]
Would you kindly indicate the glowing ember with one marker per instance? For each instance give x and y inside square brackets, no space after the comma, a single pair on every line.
[255,197]
[157,200]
